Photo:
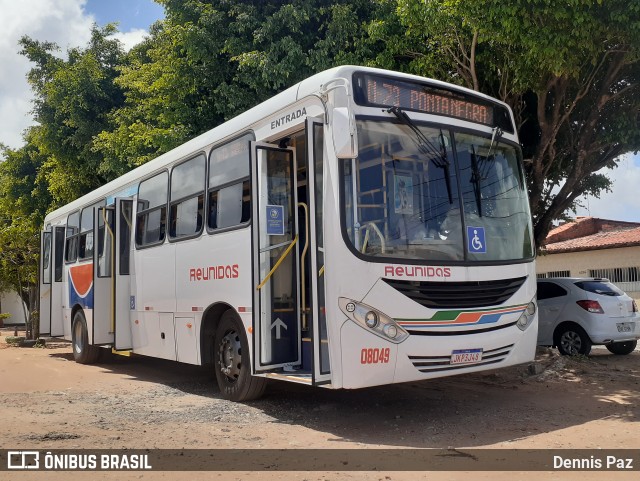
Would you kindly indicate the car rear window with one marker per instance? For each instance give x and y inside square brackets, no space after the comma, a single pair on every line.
[599,287]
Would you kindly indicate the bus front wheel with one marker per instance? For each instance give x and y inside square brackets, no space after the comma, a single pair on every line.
[231,361]
[83,352]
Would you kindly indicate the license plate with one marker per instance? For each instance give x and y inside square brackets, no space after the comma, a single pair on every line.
[622,327]
[466,356]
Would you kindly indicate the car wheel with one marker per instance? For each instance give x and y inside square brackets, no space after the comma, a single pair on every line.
[571,340]
[622,348]
[83,352]
[231,361]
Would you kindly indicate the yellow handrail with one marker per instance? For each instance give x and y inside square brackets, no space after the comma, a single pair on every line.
[112,261]
[302,266]
[273,269]
[366,237]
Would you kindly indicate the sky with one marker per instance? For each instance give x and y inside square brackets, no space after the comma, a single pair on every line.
[68,23]
[623,202]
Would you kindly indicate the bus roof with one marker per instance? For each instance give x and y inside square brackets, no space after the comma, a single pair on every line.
[231,128]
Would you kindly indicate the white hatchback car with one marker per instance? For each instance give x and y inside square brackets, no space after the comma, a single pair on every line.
[575,313]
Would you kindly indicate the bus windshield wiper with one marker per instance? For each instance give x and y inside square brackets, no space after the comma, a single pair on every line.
[496,135]
[477,175]
[439,158]
[476,180]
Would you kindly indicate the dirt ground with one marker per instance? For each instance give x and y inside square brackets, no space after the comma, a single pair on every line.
[50,402]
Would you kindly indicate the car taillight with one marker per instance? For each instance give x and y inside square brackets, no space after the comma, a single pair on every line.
[591,306]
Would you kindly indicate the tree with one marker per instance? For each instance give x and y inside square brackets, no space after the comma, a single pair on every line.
[58,162]
[24,200]
[208,61]
[570,71]
[169,83]
[72,100]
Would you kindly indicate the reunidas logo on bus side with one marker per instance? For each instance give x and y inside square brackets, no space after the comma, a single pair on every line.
[285,119]
[213,272]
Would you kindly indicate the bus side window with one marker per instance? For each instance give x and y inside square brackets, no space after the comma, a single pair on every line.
[46,257]
[85,240]
[151,217]
[187,198]
[71,241]
[58,260]
[229,196]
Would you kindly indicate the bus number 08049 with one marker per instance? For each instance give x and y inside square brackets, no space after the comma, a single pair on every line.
[374,355]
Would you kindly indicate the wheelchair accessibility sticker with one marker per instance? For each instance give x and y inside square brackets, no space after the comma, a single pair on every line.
[476,240]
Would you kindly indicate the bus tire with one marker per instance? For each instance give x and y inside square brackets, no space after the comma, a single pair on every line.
[231,361]
[622,348]
[83,352]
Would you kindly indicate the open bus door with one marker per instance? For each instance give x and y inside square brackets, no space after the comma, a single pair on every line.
[276,307]
[46,238]
[57,256]
[123,302]
[103,280]
[321,373]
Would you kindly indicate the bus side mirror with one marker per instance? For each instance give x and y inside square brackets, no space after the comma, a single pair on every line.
[345,138]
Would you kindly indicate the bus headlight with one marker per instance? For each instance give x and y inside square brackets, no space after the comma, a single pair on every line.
[373,320]
[527,316]
[391,331]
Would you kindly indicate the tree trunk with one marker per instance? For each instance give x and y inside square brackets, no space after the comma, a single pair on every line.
[24,297]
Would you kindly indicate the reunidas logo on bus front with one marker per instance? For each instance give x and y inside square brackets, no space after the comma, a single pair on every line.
[416,271]
[213,272]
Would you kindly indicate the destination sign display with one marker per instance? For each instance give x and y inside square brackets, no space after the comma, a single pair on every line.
[375,90]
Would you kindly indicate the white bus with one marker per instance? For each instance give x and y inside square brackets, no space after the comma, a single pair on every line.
[363,227]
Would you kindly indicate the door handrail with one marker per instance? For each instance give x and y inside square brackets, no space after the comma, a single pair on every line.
[302,267]
[112,261]
[275,246]
[275,267]
[366,237]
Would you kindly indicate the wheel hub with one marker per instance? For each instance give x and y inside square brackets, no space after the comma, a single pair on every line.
[571,342]
[230,356]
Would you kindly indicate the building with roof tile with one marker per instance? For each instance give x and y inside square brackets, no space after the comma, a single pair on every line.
[593,247]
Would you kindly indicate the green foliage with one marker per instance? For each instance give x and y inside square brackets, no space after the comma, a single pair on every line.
[208,61]
[73,100]
[570,71]
[24,200]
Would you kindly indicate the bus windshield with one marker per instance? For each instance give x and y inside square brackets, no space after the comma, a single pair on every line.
[418,192]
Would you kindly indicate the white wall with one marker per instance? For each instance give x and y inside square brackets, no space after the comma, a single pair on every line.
[11,303]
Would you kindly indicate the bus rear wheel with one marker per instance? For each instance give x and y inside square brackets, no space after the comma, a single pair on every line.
[83,352]
[231,361]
